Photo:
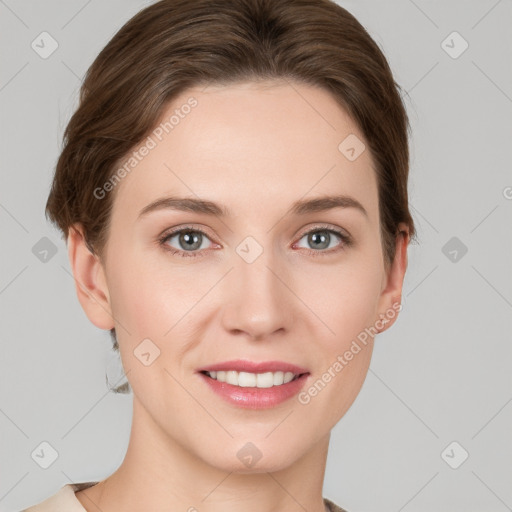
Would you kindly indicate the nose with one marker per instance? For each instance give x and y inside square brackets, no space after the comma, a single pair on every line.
[259,301]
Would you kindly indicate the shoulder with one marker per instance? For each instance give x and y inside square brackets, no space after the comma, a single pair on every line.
[332,507]
[64,500]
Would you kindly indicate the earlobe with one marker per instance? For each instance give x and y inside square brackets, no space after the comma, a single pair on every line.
[391,295]
[90,282]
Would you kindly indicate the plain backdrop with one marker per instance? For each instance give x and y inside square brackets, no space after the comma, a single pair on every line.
[431,428]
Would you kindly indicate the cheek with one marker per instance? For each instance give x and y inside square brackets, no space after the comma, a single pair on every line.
[343,296]
[346,300]
[146,296]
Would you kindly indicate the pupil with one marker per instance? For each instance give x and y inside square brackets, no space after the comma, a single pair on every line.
[322,238]
[190,241]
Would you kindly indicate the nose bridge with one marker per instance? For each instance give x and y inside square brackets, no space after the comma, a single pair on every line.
[257,301]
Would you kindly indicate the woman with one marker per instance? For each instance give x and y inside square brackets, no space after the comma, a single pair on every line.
[233,191]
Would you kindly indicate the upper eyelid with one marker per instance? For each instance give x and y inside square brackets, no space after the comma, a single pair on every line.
[325,227]
[191,227]
[173,232]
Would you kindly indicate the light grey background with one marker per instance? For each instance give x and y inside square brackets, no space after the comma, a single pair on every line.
[441,374]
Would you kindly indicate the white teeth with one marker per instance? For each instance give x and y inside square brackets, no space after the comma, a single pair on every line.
[232,377]
[278,378]
[252,380]
[288,376]
[245,380]
[264,380]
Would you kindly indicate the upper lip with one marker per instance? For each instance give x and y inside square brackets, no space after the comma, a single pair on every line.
[253,367]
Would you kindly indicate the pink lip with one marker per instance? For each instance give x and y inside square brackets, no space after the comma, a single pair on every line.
[248,366]
[255,398]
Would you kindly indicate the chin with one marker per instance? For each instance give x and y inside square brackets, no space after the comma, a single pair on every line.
[262,455]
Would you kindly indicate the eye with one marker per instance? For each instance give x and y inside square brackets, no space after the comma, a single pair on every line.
[188,240]
[191,241]
[322,240]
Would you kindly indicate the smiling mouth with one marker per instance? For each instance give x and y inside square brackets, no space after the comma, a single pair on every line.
[253,380]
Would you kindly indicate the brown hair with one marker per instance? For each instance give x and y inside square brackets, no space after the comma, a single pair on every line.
[176,44]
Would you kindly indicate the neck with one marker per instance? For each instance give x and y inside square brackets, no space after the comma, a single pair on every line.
[159,474]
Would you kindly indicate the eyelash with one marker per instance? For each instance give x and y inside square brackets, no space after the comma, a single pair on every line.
[346,241]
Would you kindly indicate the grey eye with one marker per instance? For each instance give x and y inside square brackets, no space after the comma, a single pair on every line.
[188,240]
[321,239]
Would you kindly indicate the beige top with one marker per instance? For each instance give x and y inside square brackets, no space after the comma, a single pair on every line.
[66,501]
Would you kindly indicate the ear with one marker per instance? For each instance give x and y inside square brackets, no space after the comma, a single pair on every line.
[90,283]
[391,295]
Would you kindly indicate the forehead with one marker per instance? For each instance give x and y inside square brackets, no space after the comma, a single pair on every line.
[252,147]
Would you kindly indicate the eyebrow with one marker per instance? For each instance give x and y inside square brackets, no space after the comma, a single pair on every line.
[300,207]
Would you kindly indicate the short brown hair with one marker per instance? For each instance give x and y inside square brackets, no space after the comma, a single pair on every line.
[176,44]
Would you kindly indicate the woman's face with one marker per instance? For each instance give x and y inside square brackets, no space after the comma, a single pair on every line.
[282,282]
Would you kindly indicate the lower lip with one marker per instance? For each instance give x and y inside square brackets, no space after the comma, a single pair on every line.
[255,398]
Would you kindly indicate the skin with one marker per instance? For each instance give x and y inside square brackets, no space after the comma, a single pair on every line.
[254,148]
